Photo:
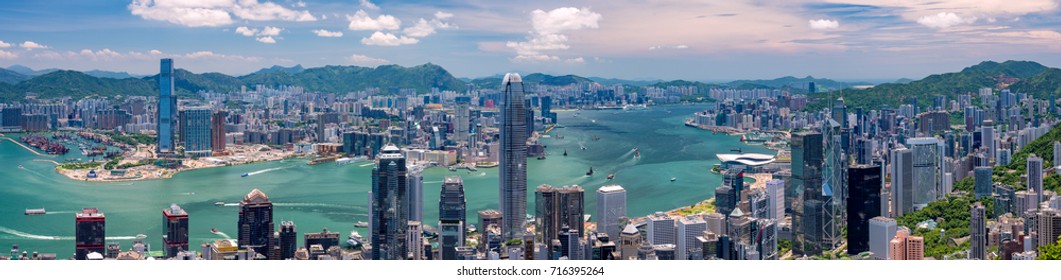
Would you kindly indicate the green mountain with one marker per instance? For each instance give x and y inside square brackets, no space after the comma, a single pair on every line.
[277,68]
[971,79]
[1042,86]
[799,84]
[29,71]
[110,74]
[325,79]
[11,77]
[537,78]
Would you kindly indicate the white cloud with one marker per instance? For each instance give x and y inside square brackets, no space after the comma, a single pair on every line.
[577,60]
[245,31]
[326,33]
[660,47]
[362,21]
[7,55]
[422,28]
[442,15]
[267,40]
[824,24]
[300,4]
[368,5]
[944,20]
[214,12]
[1050,36]
[387,39]
[30,45]
[363,60]
[548,29]
[155,52]
[270,31]
[4,44]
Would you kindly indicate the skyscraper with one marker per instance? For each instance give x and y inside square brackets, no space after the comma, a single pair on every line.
[167,107]
[288,240]
[1035,178]
[175,224]
[775,197]
[661,229]
[807,160]
[902,182]
[982,181]
[217,131]
[927,170]
[559,210]
[512,179]
[461,118]
[256,223]
[881,232]
[451,217]
[414,241]
[389,205]
[90,232]
[416,194]
[611,209]
[978,232]
[195,131]
[863,204]
[689,228]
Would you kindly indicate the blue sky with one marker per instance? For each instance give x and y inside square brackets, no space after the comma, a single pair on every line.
[664,39]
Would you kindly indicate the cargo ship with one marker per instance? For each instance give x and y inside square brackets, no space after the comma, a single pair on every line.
[39,211]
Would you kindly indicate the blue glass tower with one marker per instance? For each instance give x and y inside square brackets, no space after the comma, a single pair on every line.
[167,107]
[513,175]
[389,220]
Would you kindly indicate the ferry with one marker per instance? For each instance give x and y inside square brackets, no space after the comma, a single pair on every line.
[639,107]
[219,203]
[141,236]
[361,224]
[245,175]
[611,176]
[672,179]
[213,230]
[39,211]
[346,160]
[20,166]
[355,239]
[637,153]
[452,168]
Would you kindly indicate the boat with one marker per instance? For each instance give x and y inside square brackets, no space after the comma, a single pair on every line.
[637,153]
[541,157]
[213,230]
[453,168]
[20,166]
[355,239]
[611,176]
[39,211]
[219,203]
[361,224]
[672,179]
[590,172]
[245,175]
[141,236]
[595,138]
[347,160]
[565,152]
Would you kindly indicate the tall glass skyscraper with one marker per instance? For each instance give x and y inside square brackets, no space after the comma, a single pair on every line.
[452,217]
[175,223]
[389,220]
[611,209]
[195,131]
[167,107]
[461,117]
[807,161]
[864,203]
[512,181]
[256,223]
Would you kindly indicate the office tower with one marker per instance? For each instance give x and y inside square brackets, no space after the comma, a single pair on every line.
[1035,178]
[840,112]
[1048,225]
[807,160]
[461,118]
[630,241]
[811,88]
[195,131]
[906,247]
[864,203]
[734,178]
[256,223]
[927,170]
[987,139]
[775,197]
[725,199]
[414,241]
[288,240]
[167,108]
[512,178]
[978,232]
[611,209]
[90,232]
[602,247]
[559,208]
[716,223]
[902,182]
[416,194]
[389,205]
[834,190]
[326,239]
[689,228]
[1057,150]
[175,224]
[488,218]
[881,232]
[217,131]
[661,229]
[982,183]
[451,217]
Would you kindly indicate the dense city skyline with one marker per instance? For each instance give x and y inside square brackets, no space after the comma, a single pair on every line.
[693,40]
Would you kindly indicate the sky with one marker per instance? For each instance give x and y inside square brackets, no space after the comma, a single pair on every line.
[628,39]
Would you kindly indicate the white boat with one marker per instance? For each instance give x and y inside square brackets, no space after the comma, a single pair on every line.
[672,179]
[361,224]
[219,203]
[349,160]
[141,236]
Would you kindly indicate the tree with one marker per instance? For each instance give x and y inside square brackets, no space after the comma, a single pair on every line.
[1051,252]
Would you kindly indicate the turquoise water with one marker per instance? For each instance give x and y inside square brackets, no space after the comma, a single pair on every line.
[335,197]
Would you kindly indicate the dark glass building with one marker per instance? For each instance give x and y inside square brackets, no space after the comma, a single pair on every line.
[91,232]
[256,224]
[451,217]
[288,240]
[175,223]
[557,209]
[390,222]
[807,161]
[326,239]
[167,107]
[863,204]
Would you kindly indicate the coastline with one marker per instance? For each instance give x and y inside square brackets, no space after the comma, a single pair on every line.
[26,147]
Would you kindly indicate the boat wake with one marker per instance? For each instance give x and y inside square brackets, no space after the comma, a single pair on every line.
[59,212]
[299,204]
[264,171]
[433,182]
[367,164]
[231,204]
[33,236]
[223,235]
